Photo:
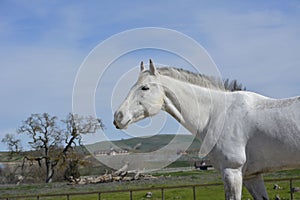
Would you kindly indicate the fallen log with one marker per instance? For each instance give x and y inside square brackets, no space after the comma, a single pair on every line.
[119,175]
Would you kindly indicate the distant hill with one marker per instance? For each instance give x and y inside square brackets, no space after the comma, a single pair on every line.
[147,152]
[134,145]
[147,144]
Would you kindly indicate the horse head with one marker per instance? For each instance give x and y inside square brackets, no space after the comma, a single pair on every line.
[145,99]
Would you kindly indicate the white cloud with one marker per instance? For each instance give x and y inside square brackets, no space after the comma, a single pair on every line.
[257,47]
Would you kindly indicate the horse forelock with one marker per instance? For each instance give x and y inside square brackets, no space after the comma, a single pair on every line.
[191,77]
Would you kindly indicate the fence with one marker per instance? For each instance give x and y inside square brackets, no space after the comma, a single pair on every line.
[131,191]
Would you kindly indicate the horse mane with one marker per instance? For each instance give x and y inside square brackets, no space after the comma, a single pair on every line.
[193,78]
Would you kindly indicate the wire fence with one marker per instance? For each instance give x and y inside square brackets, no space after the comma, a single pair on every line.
[162,190]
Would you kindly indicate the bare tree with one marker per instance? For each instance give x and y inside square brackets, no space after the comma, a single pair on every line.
[76,126]
[45,138]
[53,145]
[13,144]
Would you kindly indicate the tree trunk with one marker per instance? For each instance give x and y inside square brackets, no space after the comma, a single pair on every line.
[49,171]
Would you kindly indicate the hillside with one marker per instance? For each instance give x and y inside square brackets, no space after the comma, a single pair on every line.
[139,145]
[133,145]
[149,153]
[148,144]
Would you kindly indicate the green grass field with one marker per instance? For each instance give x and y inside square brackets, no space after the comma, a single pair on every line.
[203,193]
[164,180]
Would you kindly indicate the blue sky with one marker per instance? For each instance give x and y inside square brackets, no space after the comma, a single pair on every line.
[43,44]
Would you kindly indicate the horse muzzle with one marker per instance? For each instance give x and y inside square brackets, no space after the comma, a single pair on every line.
[116,125]
[121,126]
[120,122]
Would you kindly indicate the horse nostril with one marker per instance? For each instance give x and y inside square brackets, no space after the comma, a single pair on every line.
[116,125]
[119,116]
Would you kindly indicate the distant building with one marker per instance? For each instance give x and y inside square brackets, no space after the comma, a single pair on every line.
[111,152]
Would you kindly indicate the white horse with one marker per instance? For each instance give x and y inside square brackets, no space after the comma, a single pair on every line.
[257,134]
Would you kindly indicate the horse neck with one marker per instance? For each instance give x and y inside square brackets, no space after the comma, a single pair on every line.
[191,105]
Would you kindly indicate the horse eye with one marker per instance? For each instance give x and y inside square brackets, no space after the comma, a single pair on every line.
[145,88]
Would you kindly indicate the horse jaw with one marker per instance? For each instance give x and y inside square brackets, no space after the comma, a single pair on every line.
[172,109]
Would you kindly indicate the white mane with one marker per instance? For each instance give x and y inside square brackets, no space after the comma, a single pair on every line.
[193,78]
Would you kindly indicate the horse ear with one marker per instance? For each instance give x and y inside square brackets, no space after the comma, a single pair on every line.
[152,68]
[142,66]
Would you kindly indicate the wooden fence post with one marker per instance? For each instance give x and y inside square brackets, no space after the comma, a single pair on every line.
[291,189]
[130,194]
